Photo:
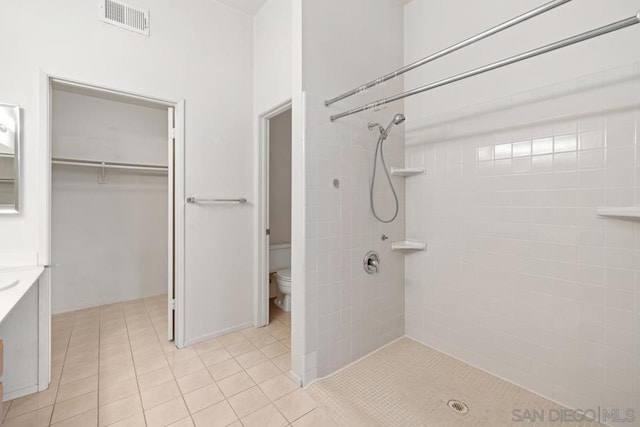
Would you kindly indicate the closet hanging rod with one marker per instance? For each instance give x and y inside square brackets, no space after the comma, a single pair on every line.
[110,165]
[491,31]
[508,61]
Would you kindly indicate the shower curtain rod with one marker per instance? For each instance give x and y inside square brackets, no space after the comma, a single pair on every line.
[508,61]
[491,31]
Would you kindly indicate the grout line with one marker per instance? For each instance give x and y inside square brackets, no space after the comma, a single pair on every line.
[64,361]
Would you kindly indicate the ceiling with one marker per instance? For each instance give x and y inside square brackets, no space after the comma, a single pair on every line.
[251,7]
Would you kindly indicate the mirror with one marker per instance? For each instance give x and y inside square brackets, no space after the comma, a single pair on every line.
[9,158]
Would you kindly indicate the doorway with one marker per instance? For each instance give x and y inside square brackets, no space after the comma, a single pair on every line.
[110,156]
[274,282]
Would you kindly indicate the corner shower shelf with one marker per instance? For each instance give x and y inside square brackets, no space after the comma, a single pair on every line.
[620,212]
[408,245]
[407,171]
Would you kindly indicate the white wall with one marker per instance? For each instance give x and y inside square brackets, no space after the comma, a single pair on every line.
[347,313]
[521,278]
[200,51]
[273,86]
[109,239]
[280,178]
[272,55]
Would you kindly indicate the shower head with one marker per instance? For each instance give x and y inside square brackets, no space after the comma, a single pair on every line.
[398,118]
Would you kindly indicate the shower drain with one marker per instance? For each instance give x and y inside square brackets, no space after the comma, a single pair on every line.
[458,406]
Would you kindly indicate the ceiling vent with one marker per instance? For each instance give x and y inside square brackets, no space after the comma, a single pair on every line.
[123,15]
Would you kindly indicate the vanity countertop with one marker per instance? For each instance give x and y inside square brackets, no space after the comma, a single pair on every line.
[11,291]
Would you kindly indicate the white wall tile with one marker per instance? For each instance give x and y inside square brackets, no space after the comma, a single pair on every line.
[516,248]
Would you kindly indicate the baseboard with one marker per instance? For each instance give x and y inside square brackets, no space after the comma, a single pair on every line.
[19,393]
[217,334]
[83,306]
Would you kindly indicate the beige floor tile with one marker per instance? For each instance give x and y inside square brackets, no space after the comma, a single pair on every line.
[203,397]
[119,410]
[262,372]
[37,418]
[278,386]
[108,363]
[141,356]
[233,338]
[185,422]
[274,325]
[240,348]
[207,346]
[248,401]
[218,415]
[316,418]
[214,357]
[154,378]
[265,417]
[5,410]
[295,404]
[86,419]
[31,403]
[111,392]
[274,350]
[283,362]
[194,381]
[235,424]
[186,367]
[75,406]
[136,420]
[73,373]
[178,355]
[117,374]
[159,394]
[77,388]
[166,413]
[281,334]
[235,383]
[224,369]
[250,359]
[262,339]
[286,342]
[151,364]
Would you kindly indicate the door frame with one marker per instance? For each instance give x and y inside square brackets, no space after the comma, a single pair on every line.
[261,303]
[44,219]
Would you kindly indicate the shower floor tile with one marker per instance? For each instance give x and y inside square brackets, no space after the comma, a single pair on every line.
[410,384]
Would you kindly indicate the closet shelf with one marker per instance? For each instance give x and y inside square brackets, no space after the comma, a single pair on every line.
[407,171]
[620,212]
[408,245]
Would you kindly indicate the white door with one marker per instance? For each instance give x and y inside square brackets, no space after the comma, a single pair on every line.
[171,294]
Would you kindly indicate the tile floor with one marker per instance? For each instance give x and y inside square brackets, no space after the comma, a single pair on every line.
[409,384]
[113,366]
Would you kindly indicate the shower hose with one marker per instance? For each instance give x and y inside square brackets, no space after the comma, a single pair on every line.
[379,148]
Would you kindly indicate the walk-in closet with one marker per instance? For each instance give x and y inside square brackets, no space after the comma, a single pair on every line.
[111,193]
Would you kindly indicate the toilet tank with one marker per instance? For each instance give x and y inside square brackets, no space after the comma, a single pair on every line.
[279,257]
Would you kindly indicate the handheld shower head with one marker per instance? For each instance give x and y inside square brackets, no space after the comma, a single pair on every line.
[398,118]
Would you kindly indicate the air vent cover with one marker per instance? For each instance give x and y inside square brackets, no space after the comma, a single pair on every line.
[121,14]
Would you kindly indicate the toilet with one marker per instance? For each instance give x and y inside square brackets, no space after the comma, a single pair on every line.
[283,300]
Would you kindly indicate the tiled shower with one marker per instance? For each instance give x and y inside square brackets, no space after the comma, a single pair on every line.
[522,277]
